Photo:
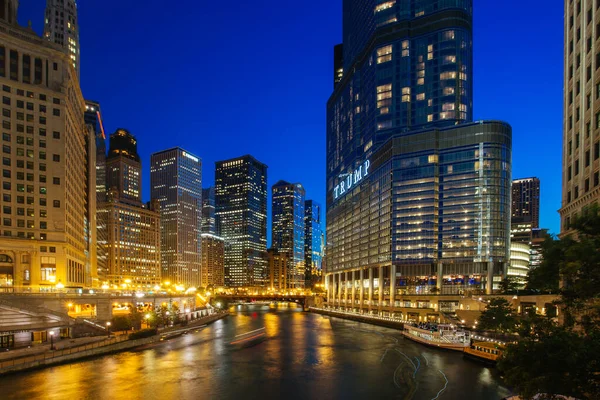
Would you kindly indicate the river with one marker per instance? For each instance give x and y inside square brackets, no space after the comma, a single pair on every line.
[302,356]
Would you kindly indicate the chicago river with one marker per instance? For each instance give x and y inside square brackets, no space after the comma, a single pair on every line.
[300,356]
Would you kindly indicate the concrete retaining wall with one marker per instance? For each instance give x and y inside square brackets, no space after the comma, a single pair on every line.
[17,365]
[361,318]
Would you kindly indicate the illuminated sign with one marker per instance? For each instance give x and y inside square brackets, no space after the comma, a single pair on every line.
[191,157]
[351,180]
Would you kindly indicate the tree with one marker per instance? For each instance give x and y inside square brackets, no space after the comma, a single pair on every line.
[562,358]
[499,316]
[120,323]
[509,285]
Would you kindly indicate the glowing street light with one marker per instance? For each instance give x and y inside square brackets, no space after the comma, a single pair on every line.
[60,285]
[51,340]
[108,329]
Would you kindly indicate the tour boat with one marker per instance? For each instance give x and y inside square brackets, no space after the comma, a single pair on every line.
[485,351]
[442,336]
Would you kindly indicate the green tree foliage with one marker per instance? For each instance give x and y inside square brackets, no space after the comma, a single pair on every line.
[120,323]
[510,285]
[562,358]
[499,316]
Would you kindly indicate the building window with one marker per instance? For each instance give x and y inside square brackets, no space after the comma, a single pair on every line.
[56,203]
[56,181]
[56,157]
[384,54]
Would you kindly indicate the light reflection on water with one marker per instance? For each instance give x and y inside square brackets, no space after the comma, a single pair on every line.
[303,356]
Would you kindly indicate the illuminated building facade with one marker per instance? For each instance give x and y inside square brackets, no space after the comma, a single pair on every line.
[418,196]
[241,219]
[46,235]
[581,124]
[176,182]
[288,229]
[208,211]
[123,166]
[213,261]
[313,239]
[133,246]
[526,202]
[93,121]
[61,27]
[278,269]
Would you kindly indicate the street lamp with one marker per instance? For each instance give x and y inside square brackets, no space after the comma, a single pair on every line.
[60,285]
[51,340]
[108,329]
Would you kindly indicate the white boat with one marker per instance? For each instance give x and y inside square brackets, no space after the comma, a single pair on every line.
[442,336]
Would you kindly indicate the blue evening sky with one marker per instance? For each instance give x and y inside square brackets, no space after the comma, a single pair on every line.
[227,78]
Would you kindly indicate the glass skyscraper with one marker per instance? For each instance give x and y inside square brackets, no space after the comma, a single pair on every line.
[176,182]
[313,238]
[288,228]
[241,219]
[208,211]
[418,196]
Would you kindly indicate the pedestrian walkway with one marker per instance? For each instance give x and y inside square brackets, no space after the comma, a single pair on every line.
[45,348]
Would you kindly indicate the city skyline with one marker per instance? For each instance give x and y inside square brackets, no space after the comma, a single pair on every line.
[307,116]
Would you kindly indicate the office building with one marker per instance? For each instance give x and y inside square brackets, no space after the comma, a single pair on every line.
[61,27]
[278,269]
[213,261]
[46,238]
[287,228]
[313,240]
[526,202]
[520,259]
[123,167]
[241,218]
[418,196]
[133,243]
[208,211]
[176,182]
[581,125]
[93,121]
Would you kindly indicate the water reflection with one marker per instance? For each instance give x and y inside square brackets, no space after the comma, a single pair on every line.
[304,356]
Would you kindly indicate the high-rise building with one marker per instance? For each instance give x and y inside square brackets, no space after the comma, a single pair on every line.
[278,269]
[208,211]
[176,182]
[61,27]
[526,202]
[241,218]
[418,196]
[47,237]
[93,120]
[313,240]
[133,244]
[581,125]
[213,261]
[338,64]
[123,167]
[287,228]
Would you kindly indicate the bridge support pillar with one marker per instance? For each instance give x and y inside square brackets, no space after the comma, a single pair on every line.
[370,289]
[361,288]
[353,290]
[381,288]
[392,288]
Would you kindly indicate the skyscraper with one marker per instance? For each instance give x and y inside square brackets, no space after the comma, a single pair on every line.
[278,269]
[418,196]
[62,27]
[581,134]
[287,231]
[133,238]
[313,238]
[241,217]
[123,166]
[526,201]
[176,182]
[93,121]
[213,254]
[208,211]
[47,236]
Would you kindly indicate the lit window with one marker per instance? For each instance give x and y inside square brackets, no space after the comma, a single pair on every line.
[385,6]
[384,95]
[384,54]
[430,118]
[421,96]
[405,48]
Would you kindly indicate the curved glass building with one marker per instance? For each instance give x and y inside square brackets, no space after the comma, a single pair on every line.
[418,195]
